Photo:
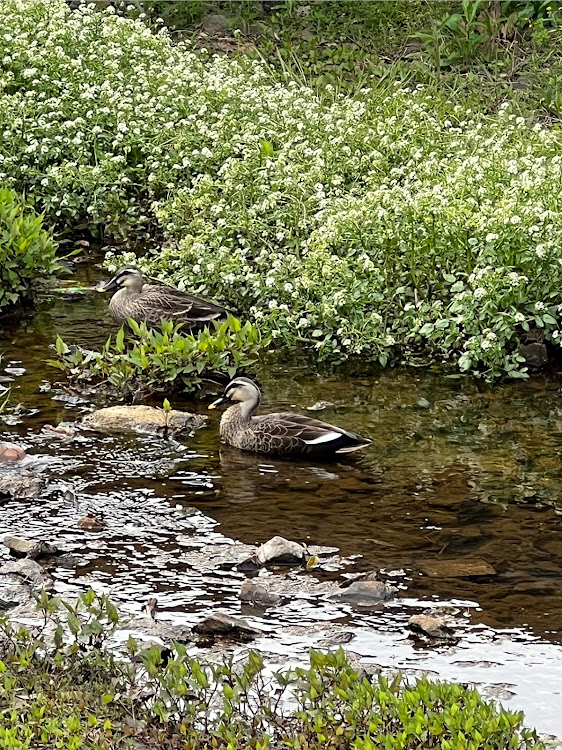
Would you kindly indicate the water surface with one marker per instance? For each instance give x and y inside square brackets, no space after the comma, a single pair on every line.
[456,471]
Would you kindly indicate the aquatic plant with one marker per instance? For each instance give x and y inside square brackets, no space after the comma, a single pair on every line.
[153,360]
[70,691]
[27,251]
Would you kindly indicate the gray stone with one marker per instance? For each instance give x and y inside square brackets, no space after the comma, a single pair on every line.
[365,593]
[22,485]
[534,353]
[433,627]
[219,625]
[254,593]
[31,548]
[280,551]
[142,419]
[214,24]
[25,571]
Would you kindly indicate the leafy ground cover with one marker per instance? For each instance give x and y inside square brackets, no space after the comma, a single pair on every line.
[27,250]
[60,687]
[407,213]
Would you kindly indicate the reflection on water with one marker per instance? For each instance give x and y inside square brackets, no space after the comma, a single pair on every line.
[456,472]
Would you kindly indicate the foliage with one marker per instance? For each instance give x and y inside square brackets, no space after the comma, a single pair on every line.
[27,251]
[69,691]
[157,360]
[394,220]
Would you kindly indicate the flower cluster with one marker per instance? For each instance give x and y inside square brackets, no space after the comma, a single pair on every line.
[392,223]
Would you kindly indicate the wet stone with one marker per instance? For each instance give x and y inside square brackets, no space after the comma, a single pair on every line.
[366,593]
[25,571]
[31,548]
[281,551]
[430,626]
[9,453]
[456,568]
[142,419]
[22,485]
[254,593]
[219,625]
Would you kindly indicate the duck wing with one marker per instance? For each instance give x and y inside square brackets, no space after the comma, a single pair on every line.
[166,303]
[310,433]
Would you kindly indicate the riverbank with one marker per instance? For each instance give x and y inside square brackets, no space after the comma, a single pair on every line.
[411,220]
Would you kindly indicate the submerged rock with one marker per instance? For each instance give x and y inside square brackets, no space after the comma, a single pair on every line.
[365,593]
[456,568]
[254,593]
[23,484]
[220,625]
[430,626]
[143,419]
[30,548]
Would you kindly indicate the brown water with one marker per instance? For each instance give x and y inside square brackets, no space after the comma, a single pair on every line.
[456,471]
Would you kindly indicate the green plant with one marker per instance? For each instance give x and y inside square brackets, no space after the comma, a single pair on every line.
[71,691]
[27,251]
[159,360]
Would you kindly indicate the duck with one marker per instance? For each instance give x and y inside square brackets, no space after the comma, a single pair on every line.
[279,434]
[151,304]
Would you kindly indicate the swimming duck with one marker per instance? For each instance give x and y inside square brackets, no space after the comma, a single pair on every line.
[280,434]
[153,304]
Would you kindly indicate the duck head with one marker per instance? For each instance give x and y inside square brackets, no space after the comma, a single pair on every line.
[241,390]
[127,277]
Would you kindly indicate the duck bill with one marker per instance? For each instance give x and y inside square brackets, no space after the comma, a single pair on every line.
[109,286]
[219,402]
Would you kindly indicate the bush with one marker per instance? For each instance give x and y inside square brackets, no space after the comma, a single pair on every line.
[71,692]
[395,224]
[159,360]
[27,251]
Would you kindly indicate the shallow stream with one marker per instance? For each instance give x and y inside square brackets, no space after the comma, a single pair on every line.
[456,471]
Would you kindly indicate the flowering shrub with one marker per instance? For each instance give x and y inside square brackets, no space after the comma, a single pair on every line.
[391,224]
[27,251]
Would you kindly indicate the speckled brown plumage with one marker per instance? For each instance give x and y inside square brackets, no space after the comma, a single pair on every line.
[152,304]
[280,434]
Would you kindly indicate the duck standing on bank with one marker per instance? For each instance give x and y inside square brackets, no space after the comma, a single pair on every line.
[281,434]
[152,304]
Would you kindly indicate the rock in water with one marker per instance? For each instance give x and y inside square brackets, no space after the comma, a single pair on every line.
[220,625]
[30,548]
[433,627]
[365,593]
[253,593]
[143,419]
[462,568]
[22,485]
[280,551]
[9,453]
[26,571]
